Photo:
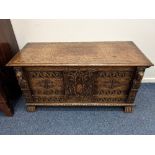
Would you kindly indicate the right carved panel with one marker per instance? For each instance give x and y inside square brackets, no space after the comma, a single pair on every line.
[112,85]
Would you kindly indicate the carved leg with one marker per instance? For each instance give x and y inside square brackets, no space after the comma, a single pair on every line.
[31,108]
[128,109]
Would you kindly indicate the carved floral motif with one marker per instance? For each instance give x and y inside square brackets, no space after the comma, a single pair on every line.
[78,83]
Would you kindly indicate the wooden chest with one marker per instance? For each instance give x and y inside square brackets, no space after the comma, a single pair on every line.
[80,74]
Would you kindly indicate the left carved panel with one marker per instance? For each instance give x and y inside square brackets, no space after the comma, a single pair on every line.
[46,84]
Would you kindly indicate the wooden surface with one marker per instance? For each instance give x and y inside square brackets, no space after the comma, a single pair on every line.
[80,74]
[80,54]
[9,88]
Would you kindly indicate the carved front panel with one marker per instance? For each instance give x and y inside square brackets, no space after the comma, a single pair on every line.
[78,84]
[46,85]
[112,85]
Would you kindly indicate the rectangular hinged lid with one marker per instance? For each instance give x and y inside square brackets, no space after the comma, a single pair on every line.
[123,53]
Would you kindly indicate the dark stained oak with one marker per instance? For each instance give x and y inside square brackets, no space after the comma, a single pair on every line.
[80,74]
[9,88]
[7,35]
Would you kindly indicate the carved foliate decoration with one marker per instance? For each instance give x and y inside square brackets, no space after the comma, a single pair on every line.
[112,86]
[47,99]
[109,100]
[115,74]
[45,74]
[111,92]
[47,86]
[78,84]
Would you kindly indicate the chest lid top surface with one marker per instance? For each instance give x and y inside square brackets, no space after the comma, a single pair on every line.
[80,54]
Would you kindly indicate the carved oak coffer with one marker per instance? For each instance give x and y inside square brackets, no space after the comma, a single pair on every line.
[80,74]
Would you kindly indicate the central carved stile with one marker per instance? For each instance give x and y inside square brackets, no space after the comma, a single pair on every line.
[78,83]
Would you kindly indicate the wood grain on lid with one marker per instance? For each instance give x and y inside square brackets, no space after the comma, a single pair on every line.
[124,53]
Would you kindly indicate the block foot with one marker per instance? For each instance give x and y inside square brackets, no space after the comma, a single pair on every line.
[31,108]
[128,109]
